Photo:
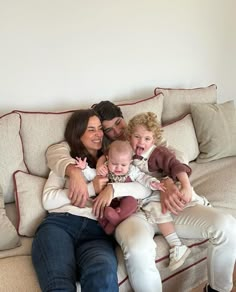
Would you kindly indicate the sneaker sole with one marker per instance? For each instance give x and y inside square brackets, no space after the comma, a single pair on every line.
[181,261]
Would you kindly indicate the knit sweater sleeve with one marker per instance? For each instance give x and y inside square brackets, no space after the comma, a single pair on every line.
[58,158]
[55,192]
[163,160]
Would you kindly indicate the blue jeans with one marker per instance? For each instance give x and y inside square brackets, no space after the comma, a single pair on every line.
[69,248]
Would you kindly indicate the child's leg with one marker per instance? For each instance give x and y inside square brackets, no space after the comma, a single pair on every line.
[106,225]
[178,251]
[168,231]
[128,205]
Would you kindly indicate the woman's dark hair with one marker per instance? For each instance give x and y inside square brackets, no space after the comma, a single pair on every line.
[107,110]
[75,128]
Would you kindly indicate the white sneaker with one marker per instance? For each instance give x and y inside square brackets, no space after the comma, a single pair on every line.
[178,255]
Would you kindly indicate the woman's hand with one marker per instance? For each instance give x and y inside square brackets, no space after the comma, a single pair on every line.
[172,199]
[102,200]
[99,183]
[78,190]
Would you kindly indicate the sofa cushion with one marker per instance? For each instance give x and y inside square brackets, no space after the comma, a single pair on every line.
[38,131]
[18,274]
[8,236]
[11,153]
[41,129]
[181,136]
[130,108]
[216,181]
[28,192]
[215,126]
[177,101]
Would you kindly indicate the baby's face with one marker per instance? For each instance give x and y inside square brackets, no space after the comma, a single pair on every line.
[118,163]
[141,140]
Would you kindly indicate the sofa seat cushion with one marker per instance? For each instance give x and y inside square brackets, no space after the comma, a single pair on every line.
[19,260]
[216,181]
[17,274]
[192,263]
[23,250]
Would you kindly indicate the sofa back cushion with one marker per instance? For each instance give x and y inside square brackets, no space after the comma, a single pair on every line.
[11,153]
[215,126]
[38,131]
[130,108]
[41,129]
[181,135]
[177,101]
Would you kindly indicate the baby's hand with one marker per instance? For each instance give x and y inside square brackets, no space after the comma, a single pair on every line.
[158,186]
[102,170]
[80,163]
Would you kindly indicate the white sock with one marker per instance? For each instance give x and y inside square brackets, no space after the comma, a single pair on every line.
[173,239]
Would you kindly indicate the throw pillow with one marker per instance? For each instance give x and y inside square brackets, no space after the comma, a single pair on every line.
[215,126]
[177,101]
[28,192]
[181,136]
[11,153]
[8,236]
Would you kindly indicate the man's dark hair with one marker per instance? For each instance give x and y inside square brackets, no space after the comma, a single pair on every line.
[107,110]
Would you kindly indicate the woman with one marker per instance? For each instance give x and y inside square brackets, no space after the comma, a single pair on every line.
[135,234]
[70,245]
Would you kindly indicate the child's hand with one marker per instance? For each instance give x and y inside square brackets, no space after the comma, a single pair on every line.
[80,163]
[158,186]
[102,170]
[187,194]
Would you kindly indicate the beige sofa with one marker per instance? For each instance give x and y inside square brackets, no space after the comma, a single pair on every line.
[204,132]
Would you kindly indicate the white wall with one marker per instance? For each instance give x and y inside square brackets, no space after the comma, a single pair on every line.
[62,54]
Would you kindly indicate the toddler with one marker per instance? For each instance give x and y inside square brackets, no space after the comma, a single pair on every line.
[144,133]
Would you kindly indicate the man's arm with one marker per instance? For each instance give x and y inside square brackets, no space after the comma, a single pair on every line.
[60,162]
[58,158]
[55,193]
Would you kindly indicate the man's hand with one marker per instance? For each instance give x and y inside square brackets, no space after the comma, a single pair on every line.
[172,199]
[102,200]
[78,191]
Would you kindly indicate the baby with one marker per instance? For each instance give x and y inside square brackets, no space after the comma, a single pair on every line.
[119,168]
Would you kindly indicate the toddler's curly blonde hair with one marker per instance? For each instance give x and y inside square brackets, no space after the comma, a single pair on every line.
[149,121]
